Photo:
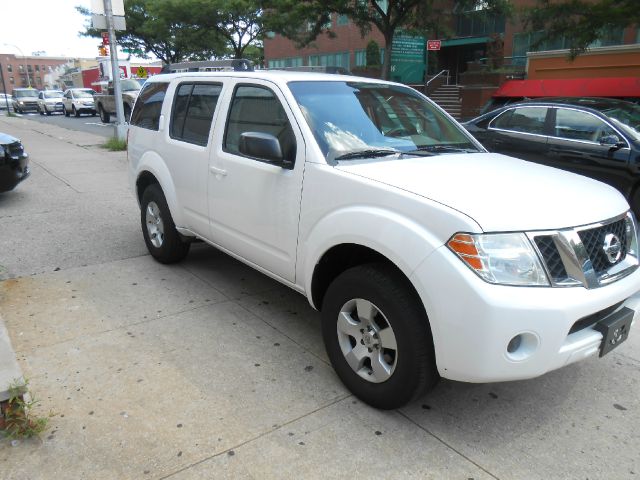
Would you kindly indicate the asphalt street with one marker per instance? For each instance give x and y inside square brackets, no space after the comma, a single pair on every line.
[83,123]
[208,369]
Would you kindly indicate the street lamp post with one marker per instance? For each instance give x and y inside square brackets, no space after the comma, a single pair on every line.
[24,59]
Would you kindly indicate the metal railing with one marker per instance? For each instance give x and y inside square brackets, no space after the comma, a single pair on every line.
[438,75]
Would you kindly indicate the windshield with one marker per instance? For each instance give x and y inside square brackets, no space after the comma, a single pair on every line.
[26,93]
[53,94]
[129,85]
[626,117]
[348,118]
[82,94]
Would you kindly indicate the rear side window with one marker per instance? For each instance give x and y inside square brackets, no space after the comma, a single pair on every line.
[146,113]
[193,109]
[524,119]
[575,125]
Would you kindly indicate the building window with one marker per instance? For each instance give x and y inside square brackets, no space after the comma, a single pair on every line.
[37,68]
[360,58]
[342,20]
[30,68]
[285,62]
[10,67]
[340,59]
[11,80]
[21,68]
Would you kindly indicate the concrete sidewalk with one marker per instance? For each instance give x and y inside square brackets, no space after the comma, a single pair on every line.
[208,369]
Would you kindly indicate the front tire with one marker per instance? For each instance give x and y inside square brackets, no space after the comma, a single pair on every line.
[75,111]
[163,240]
[65,111]
[377,336]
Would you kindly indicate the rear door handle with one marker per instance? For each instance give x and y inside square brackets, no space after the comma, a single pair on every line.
[218,171]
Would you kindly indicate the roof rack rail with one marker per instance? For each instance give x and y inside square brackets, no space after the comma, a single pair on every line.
[233,65]
[316,69]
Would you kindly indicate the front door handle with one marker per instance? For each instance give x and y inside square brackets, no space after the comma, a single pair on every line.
[218,171]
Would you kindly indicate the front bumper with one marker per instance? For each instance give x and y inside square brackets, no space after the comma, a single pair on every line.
[28,106]
[54,107]
[473,321]
[13,170]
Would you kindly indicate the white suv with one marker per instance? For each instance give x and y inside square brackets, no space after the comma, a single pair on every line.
[427,255]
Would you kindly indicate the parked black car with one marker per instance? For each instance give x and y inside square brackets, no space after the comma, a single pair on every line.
[595,137]
[14,162]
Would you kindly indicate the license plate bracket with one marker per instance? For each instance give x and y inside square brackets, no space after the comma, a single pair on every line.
[615,329]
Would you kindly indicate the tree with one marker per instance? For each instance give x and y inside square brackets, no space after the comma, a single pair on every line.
[238,22]
[373,54]
[153,26]
[580,22]
[418,16]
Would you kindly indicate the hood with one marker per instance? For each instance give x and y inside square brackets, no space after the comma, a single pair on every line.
[7,139]
[500,193]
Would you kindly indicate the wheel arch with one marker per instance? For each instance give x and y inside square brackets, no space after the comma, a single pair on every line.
[153,170]
[342,257]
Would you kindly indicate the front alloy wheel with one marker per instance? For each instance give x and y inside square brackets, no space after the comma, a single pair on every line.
[367,340]
[377,335]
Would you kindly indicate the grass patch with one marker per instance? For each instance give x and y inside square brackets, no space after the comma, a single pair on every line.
[115,145]
[16,418]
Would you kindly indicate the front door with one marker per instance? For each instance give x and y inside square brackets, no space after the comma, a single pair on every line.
[254,205]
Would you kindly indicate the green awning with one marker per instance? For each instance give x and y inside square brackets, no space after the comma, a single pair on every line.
[455,42]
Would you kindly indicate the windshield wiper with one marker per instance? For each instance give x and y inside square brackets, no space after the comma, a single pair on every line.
[443,149]
[367,154]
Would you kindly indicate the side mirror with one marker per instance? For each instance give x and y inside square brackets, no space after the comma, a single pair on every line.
[612,141]
[263,146]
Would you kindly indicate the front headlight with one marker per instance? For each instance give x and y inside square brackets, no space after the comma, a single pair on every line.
[21,102]
[502,258]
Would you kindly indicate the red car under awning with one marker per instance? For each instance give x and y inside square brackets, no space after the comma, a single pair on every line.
[616,87]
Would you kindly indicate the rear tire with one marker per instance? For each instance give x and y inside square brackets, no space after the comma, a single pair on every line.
[163,240]
[105,117]
[377,336]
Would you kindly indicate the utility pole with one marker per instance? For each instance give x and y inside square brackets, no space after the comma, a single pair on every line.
[121,127]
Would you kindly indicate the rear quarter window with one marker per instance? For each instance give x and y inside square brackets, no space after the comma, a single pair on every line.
[146,113]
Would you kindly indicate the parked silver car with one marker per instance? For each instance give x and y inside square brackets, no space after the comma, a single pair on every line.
[50,101]
[78,101]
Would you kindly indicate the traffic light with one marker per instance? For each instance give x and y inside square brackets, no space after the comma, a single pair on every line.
[102,50]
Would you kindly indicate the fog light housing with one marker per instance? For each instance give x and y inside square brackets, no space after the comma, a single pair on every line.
[522,346]
[514,344]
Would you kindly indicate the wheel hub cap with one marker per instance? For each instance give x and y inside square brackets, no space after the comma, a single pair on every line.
[155,227]
[367,340]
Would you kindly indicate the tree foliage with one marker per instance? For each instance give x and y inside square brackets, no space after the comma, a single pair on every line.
[580,22]
[418,16]
[178,30]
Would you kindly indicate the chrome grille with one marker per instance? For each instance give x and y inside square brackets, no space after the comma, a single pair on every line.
[576,256]
[593,240]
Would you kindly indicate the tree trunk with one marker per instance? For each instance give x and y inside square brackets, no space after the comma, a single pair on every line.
[386,64]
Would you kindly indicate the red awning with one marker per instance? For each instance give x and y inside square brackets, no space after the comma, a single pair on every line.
[618,87]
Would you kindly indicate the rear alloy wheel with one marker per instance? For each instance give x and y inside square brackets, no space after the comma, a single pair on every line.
[163,241]
[378,337]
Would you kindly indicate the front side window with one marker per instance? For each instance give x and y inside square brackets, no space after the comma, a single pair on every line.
[576,125]
[193,109]
[257,109]
[146,113]
[522,119]
[351,117]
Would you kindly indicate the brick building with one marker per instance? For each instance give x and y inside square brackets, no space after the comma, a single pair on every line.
[19,71]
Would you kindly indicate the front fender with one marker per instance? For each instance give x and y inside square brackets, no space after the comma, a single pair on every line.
[400,239]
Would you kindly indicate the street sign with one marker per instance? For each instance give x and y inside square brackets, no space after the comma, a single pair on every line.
[105,38]
[141,72]
[434,44]
[407,58]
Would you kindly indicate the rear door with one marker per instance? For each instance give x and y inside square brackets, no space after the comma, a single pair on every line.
[520,132]
[581,142]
